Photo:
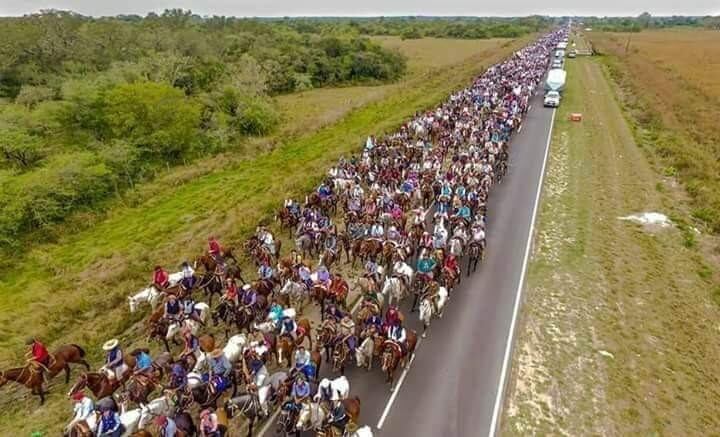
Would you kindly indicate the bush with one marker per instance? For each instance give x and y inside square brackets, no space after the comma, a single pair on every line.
[46,195]
[257,117]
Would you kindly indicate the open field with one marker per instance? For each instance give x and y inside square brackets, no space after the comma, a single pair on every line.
[619,328]
[671,84]
[73,289]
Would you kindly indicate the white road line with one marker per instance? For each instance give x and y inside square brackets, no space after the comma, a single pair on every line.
[269,422]
[396,390]
[518,294]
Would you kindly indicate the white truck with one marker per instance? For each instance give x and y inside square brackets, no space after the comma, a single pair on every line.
[554,84]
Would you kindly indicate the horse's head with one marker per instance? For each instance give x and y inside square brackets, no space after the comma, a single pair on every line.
[81,383]
[133,303]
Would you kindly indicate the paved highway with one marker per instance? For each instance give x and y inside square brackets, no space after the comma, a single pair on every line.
[455,384]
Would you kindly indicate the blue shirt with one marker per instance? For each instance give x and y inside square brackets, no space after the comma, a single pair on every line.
[301,390]
[169,429]
[143,361]
[108,423]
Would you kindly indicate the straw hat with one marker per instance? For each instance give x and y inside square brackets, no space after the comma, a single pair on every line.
[110,344]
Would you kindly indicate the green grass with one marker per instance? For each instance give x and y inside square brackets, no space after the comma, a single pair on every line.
[74,289]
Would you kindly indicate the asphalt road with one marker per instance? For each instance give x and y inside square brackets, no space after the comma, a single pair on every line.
[455,382]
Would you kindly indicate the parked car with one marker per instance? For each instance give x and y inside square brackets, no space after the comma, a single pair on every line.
[557,63]
[572,54]
[552,99]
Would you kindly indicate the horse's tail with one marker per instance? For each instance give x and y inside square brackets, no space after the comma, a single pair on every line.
[80,349]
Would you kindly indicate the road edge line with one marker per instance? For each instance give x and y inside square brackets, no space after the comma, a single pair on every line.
[499,398]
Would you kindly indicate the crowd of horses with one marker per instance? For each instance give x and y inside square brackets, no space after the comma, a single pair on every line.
[417,197]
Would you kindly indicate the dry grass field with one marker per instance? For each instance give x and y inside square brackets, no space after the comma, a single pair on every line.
[74,289]
[671,89]
[619,329]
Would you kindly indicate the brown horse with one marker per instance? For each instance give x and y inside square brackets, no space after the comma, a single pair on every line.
[352,408]
[285,348]
[339,290]
[139,388]
[62,357]
[287,220]
[303,332]
[98,383]
[392,355]
[29,376]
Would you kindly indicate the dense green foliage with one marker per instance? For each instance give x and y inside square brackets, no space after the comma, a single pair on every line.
[92,106]
[647,21]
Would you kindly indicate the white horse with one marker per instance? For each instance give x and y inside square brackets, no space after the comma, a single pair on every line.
[130,420]
[233,350]
[312,416]
[456,246]
[402,268]
[160,406]
[364,353]
[339,388]
[148,294]
[297,293]
[174,278]
[428,310]
[393,288]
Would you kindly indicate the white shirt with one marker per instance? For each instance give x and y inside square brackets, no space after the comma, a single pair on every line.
[83,409]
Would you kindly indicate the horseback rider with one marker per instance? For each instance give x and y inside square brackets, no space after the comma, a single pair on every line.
[143,362]
[347,332]
[288,327]
[334,313]
[392,316]
[249,298]
[166,426]
[303,361]
[372,271]
[338,417]
[188,276]
[178,377]
[110,424]
[377,231]
[464,213]
[393,234]
[300,390]
[324,190]
[397,334]
[331,241]
[38,356]
[209,426]
[161,279]
[83,408]
[215,250]
[189,310]
[426,241]
[172,309]
[114,365]
[220,369]
[425,267]
[191,344]
[266,238]
[265,272]
[231,295]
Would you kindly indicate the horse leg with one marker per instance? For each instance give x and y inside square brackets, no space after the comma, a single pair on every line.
[67,373]
[250,427]
[167,345]
[85,363]
[415,299]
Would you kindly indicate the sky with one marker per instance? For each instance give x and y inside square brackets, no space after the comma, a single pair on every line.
[279,8]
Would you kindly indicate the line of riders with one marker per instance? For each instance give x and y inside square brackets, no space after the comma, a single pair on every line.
[436,171]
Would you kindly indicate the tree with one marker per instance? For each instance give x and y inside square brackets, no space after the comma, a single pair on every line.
[20,149]
[645,19]
[155,117]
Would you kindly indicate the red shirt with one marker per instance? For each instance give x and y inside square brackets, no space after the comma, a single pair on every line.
[214,247]
[161,277]
[232,291]
[39,352]
[451,264]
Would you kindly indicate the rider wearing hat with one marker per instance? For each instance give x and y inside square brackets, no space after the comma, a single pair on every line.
[209,424]
[191,344]
[172,308]
[347,330]
[300,389]
[426,266]
[303,362]
[114,364]
[110,424]
[161,279]
[451,264]
[143,362]
[83,408]
[220,369]
[231,292]
[338,417]
[288,327]
[398,334]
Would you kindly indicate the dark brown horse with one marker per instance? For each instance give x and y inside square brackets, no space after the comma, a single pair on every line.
[392,355]
[62,357]
[98,383]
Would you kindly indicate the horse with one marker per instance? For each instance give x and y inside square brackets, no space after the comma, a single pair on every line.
[211,283]
[392,355]
[97,382]
[139,387]
[62,357]
[248,405]
[326,337]
[284,347]
[340,355]
[430,309]
[365,353]
[305,245]
[476,253]
[150,295]
[456,247]
[328,257]
[28,376]
[295,293]
[394,288]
